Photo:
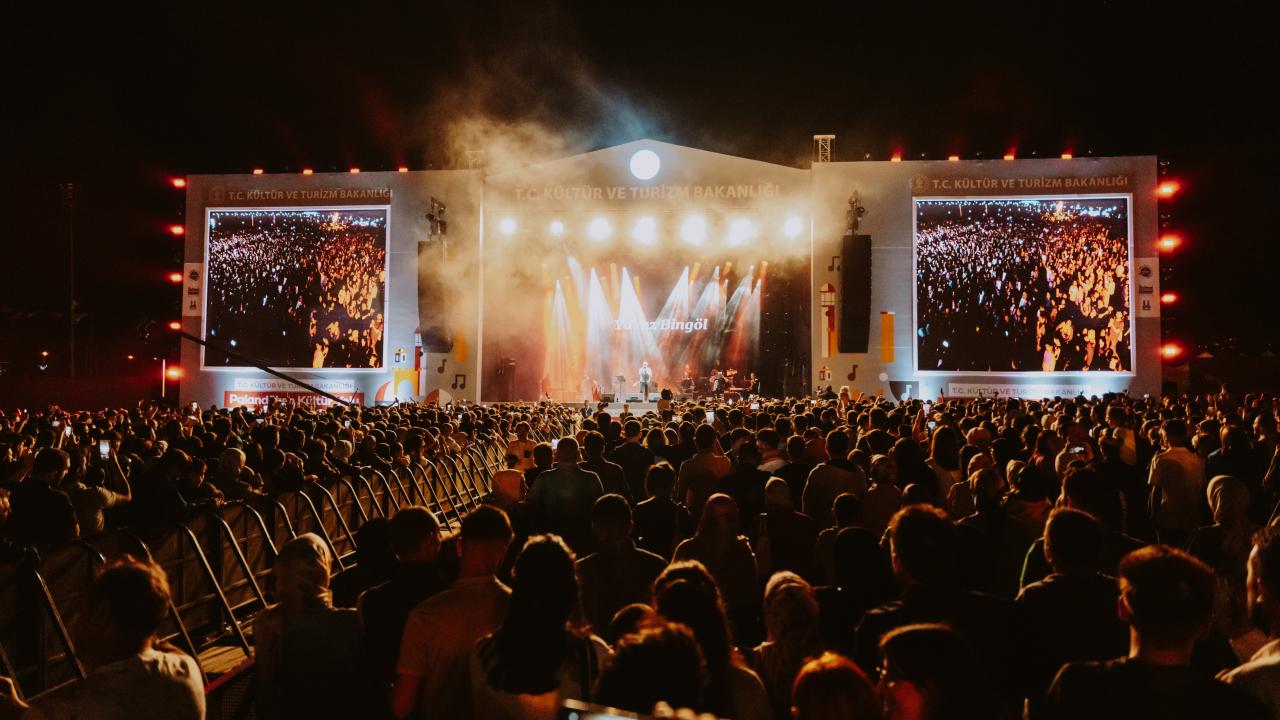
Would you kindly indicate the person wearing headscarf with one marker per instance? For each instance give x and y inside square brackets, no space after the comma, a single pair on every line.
[1225,546]
[793,635]
[307,652]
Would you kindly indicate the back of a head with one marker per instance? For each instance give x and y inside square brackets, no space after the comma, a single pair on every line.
[567,450]
[486,523]
[659,479]
[860,564]
[629,619]
[704,438]
[631,430]
[923,545]
[411,527]
[1073,540]
[133,595]
[612,512]
[1168,595]
[777,494]
[302,571]
[831,686]
[531,645]
[719,516]
[1086,490]
[796,448]
[942,666]
[768,437]
[985,486]
[749,456]
[49,461]
[544,580]
[837,444]
[790,608]
[593,444]
[686,593]
[845,508]
[656,664]
[1175,430]
[543,455]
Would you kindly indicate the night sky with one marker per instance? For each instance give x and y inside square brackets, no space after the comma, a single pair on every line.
[118,100]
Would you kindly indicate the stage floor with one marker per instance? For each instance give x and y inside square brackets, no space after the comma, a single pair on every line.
[635,408]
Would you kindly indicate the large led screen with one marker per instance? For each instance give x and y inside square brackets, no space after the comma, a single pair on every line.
[1014,285]
[297,288]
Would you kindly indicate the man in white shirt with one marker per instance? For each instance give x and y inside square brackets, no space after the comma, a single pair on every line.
[1260,677]
[130,674]
[646,379]
[1177,483]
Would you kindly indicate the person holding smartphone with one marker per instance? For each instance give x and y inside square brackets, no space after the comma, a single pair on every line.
[98,488]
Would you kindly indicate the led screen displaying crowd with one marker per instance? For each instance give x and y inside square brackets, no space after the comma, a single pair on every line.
[1023,285]
[298,288]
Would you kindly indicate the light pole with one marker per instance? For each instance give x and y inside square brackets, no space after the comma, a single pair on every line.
[69,201]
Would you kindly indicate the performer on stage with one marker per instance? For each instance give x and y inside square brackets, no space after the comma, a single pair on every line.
[646,377]
[687,384]
[718,382]
[753,385]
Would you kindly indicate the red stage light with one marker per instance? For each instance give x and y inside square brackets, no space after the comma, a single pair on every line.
[175,277]
[173,373]
[1010,155]
[175,325]
[953,158]
[177,230]
[1168,243]
[1168,189]
[257,171]
[128,357]
[1169,298]
[1169,351]
[1067,156]
[307,171]
[403,168]
[178,182]
[896,157]
[354,170]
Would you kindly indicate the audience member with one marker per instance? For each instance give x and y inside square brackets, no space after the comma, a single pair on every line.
[303,642]
[618,573]
[1166,598]
[534,661]
[432,673]
[131,673]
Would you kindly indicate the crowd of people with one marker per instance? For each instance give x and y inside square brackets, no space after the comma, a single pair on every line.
[1025,285]
[298,288]
[1105,557]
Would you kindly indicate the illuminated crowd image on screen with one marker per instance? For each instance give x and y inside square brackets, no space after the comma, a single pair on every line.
[297,288]
[1023,285]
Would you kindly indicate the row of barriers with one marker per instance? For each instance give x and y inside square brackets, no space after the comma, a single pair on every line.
[218,562]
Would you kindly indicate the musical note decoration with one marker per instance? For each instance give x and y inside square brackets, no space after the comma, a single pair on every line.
[441,368]
[459,382]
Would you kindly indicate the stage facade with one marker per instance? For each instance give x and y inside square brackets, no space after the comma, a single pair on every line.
[560,280]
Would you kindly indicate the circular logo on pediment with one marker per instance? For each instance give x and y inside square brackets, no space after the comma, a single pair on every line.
[217,194]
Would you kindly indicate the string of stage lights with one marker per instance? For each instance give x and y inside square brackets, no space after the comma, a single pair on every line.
[693,229]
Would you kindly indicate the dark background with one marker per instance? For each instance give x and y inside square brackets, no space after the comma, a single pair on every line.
[118,98]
